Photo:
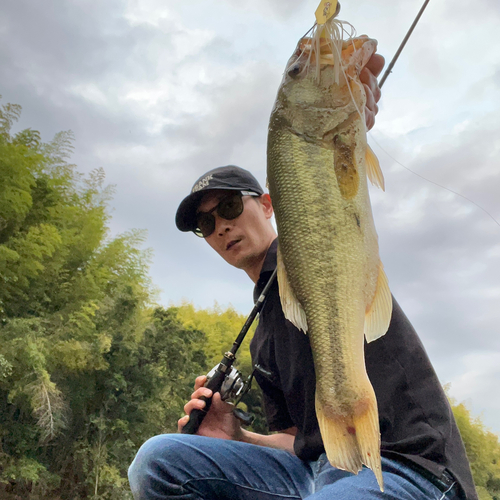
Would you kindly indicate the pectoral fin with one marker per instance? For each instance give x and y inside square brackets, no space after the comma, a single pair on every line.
[292,309]
[378,315]
[373,169]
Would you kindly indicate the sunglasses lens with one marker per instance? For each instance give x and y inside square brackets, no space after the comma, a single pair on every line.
[206,224]
[231,207]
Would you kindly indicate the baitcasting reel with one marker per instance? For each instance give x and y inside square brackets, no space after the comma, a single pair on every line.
[233,389]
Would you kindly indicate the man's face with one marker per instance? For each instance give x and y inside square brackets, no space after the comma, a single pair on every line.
[242,241]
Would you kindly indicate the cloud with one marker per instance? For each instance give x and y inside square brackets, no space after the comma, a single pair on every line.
[457,267]
[277,8]
[158,93]
[479,382]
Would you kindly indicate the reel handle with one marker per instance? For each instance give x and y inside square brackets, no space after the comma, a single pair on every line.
[244,417]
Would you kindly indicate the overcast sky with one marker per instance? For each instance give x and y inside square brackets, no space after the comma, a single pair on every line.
[158,92]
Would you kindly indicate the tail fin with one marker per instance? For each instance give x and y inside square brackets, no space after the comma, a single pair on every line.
[354,441]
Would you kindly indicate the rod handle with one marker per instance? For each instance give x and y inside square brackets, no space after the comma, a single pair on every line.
[196,416]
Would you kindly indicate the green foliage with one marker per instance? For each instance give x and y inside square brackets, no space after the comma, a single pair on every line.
[89,370]
[26,474]
[221,328]
[483,450]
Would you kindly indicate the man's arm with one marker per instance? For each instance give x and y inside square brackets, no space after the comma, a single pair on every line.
[282,440]
[221,423]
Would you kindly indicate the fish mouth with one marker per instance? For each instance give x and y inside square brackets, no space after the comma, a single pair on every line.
[307,48]
[232,243]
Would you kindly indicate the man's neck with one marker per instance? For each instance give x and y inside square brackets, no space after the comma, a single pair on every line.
[255,268]
[254,271]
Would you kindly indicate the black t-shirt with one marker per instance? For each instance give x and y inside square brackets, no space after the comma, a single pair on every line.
[416,421]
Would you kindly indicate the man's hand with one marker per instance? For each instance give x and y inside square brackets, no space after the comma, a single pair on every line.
[368,77]
[219,421]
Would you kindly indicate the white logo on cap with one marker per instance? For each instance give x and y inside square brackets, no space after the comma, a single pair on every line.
[202,184]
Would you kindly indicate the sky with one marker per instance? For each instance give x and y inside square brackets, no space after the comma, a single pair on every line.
[158,92]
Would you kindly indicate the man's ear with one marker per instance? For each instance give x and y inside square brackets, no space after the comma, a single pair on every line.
[267,205]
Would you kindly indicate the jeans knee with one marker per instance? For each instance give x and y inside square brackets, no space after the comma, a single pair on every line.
[151,464]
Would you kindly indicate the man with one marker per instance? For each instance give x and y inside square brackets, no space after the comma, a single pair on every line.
[422,453]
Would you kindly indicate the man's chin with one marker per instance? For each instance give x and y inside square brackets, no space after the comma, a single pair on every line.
[238,261]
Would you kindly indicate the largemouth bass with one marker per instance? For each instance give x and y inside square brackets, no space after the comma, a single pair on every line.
[331,281]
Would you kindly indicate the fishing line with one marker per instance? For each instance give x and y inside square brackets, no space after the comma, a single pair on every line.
[383,79]
[435,183]
[338,49]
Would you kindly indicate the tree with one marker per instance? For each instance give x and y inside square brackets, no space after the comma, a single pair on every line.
[89,368]
[483,450]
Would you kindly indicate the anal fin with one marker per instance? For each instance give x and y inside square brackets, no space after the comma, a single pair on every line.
[292,309]
[378,315]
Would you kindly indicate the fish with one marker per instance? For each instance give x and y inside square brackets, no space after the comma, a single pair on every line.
[332,283]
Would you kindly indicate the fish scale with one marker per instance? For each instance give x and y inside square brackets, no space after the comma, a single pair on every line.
[310,223]
[331,281]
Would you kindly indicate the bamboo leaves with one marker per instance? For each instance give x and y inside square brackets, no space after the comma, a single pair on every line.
[48,405]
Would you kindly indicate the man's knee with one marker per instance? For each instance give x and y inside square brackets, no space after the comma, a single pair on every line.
[150,467]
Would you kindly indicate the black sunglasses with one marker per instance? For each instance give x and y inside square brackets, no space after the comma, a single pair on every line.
[228,208]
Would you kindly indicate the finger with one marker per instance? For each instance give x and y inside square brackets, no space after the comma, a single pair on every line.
[182,422]
[202,391]
[375,64]
[369,119]
[371,83]
[371,108]
[194,404]
[370,100]
[200,381]
[220,405]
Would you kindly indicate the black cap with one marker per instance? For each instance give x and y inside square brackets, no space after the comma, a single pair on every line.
[229,177]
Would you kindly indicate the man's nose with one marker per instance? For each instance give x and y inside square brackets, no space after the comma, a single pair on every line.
[222,225]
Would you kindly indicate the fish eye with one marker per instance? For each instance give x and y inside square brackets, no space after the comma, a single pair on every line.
[294,71]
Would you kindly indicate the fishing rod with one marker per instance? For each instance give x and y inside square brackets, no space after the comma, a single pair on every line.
[403,43]
[224,378]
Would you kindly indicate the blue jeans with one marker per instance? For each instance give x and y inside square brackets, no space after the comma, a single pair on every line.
[189,467]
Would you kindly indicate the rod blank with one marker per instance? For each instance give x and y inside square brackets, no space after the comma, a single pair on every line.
[403,43]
